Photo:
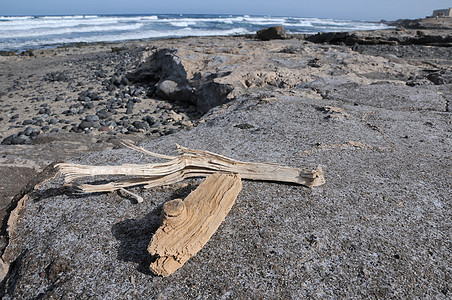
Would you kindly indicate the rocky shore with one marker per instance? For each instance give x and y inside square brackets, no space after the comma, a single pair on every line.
[372,108]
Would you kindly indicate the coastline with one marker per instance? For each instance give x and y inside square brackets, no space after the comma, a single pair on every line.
[368,97]
[35,32]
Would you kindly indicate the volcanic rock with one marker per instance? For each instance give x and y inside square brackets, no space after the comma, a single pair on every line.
[272,33]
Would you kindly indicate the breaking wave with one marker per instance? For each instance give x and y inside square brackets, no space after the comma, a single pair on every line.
[25,32]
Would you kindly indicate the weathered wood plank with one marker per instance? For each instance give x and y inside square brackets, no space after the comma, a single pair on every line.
[189,224]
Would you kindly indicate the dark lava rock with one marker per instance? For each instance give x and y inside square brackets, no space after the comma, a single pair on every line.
[53,121]
[89,95]
[272,33]
[94,96]
[125,81]
[17,139]
[140,125]
[115,81]
[103,114]
[442,77]
[315,63]
[360,38]
[150,120]
[7,140]
[86,125]
[211,94]
[88,105]
[56,76]
[30,131]
[27,122]
[20,139]
[162,65]
[130,105]
[91,118]
[244,126]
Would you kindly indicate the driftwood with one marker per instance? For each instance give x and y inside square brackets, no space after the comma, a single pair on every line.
[188,224]
[191,163]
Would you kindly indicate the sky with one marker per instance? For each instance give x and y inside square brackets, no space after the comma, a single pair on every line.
[370,10]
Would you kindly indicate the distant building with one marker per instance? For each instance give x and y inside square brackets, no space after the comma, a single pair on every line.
[441,13]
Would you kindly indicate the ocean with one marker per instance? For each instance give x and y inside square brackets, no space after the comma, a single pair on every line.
[19,33]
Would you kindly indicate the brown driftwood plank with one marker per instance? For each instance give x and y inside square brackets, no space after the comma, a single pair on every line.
[189,224]
[190,163]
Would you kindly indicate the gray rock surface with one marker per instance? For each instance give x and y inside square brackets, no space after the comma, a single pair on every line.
[379,228]
[379,221]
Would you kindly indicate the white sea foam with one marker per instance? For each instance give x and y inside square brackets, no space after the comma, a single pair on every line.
[69,17]
[182,23]
[54,23]
[125,37]
[70,30]
[22,32]
[6,18]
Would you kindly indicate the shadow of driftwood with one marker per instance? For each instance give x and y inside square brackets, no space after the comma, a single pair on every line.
[134,236]
[69,191]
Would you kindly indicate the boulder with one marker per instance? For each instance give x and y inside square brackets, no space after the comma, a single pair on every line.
[165,74]
[171,90]
[272,33]
[163,64]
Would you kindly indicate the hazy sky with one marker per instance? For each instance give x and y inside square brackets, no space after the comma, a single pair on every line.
[373,10]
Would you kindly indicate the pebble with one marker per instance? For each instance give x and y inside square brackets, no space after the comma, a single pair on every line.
[88,105]
[20,139]
[91,118]
[112,124]
[140,125]
[129,110]
[150,120]
[104,129]
[28,131]
[131,129]
[103,114]
[86,125]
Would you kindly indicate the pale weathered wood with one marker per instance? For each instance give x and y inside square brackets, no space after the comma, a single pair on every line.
[189,224]
[191,163]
